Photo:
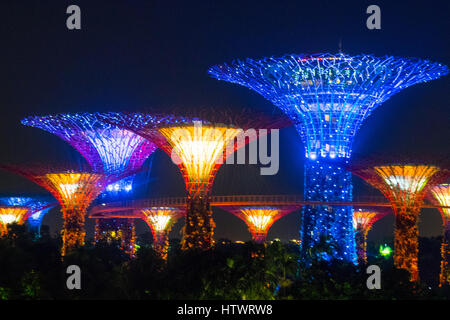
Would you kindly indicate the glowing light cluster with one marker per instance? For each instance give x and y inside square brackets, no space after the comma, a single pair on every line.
[117,230]
[441,196]
[328,97]
[10,215]
[259,219]
[405,182]
[405,186]
[199,148]
[362,223]
[160,221]
[110,150]
[37,208]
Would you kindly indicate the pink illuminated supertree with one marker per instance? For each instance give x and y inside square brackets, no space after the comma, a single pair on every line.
[440,195]
[74,190]
[363,220]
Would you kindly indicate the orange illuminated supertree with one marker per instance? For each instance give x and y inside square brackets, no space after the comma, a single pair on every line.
[11,214]
[199,148]
[362,223]
[108,149]
[440,195]
[74,190]
[405,186]
[259,219]
[160,220]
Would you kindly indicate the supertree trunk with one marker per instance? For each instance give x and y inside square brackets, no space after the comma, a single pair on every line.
[444,278]
[406,242]
[73,232]
[199,227]
[117,229]
[328,182]
[361,246]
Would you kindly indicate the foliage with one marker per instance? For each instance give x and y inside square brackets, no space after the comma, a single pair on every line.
[33,269]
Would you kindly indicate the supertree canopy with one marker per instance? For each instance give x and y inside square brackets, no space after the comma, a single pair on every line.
[259,219]
[362,223]
[405,186]
[74,190]
[11,214]
[328,97]
[110,150]
[440,194]
[37,206]
[199,148]
[160,220]
[120,230]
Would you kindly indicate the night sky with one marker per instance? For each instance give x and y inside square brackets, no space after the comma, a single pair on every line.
[132,55]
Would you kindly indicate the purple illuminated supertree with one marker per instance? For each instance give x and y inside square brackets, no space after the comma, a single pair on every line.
[328,97]
[110,150]
[37,206]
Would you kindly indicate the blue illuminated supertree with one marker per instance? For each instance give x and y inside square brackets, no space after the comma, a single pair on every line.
[328,97]
[110,150]
[37,208]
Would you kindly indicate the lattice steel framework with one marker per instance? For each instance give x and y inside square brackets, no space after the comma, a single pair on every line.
[328,97]
[37,208]
[73,190]
[259,219]
[363,221]
[405,186]
[11,214]
[110,150]
[198,148]
[160,220]
[440,194]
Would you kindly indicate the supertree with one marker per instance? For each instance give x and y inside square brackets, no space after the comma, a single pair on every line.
[11,214]
[199,148]
[259,219]
[440,194]
[405,186]
[109,150]
[363,220]
[160,220]
[37,206]
[121,230]
[328,97]
[74,190]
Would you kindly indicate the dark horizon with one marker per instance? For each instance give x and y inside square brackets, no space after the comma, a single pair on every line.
[151,54]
